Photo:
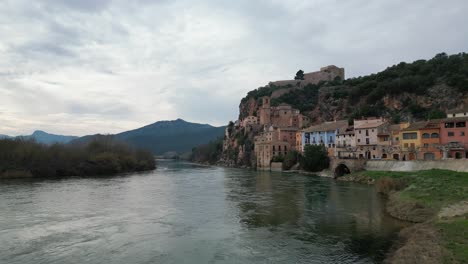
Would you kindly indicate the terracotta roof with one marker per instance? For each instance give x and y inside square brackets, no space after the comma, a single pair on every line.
[455,119]
[328,126]
[368,123]
[463,109]
[423,125]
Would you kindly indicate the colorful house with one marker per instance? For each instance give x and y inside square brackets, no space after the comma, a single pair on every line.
[324,134]
[367,137]
[430,141]
[454,137]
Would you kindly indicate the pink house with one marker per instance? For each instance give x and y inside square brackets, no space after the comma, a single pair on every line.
[454,137]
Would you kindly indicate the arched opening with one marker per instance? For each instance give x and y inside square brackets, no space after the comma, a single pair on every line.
[458,155]
[341,170]
[384,156]
[396,156]
[412,156]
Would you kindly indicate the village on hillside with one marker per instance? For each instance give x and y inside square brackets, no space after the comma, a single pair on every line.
[281,129]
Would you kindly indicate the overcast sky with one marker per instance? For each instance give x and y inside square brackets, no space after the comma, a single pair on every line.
[102,66]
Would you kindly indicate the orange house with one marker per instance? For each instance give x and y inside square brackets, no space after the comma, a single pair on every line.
[430,141]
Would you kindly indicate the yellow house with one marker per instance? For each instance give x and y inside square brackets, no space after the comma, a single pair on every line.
[410,140]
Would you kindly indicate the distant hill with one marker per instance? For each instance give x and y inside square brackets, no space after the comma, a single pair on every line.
[167,136]
[44,137]
[177,135]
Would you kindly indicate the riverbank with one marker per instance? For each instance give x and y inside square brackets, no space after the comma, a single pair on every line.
[102,156]
[436,201]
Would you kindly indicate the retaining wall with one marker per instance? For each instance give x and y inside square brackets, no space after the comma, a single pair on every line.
[416,165]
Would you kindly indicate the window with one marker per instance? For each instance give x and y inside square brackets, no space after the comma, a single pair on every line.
[405,145]
[412,135]
[367,132]
[273,148]
[367,140]
[460,124]
[453,115]
[434,135]
[359,140]
[285,148]
[451,134]
[449,125]
[462,133]
[397,139]
[359,131]
[279,148]
[426,145]
[426,135]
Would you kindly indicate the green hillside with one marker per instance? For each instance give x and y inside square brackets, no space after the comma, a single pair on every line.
[421,89]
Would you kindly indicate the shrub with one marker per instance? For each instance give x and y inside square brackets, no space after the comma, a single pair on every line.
[386,185]
[290,160]
[315,158]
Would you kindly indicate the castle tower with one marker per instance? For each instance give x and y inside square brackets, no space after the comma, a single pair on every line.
[265,111]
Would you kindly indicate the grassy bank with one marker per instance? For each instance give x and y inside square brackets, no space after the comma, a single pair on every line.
[102,156]
[439,198]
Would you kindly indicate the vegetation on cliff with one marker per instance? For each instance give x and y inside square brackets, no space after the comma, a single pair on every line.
[421,89]
[439,198]
[101,156]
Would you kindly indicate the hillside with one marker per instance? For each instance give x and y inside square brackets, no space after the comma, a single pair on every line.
[44,137]
[167,136]
[406,91]
[423,89]
[48,139]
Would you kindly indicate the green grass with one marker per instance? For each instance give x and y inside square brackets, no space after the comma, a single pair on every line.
[432,188]
[436,189]
[454,235]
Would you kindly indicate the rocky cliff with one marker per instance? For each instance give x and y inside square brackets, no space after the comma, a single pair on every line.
[404,92]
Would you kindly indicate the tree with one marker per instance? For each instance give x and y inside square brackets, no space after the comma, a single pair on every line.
[290,159]
[315,158]
[299,75]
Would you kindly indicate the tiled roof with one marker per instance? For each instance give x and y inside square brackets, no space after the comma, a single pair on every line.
[368,123]
[463,109]
[455,119]
[328,126]
[423,125]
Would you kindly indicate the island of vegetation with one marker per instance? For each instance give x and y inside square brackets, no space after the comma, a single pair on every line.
[100,156]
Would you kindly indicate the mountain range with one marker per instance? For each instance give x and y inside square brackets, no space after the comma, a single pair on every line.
[164,136]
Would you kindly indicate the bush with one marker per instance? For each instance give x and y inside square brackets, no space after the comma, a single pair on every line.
[386,185]
[315,158]
[290,159]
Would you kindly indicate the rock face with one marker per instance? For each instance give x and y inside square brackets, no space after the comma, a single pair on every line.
[405,92]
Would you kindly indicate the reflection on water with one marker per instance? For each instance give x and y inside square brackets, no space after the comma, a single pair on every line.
[185,213]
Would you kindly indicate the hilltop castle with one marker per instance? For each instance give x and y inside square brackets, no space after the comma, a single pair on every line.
[327,73]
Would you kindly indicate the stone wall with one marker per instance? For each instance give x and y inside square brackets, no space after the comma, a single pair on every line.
[416,165]
[276,166]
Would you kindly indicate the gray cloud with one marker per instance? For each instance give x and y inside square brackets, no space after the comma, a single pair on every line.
[88,66]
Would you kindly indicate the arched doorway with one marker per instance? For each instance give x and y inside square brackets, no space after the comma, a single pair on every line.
[341,170]
[384,156]
[396,156]
[458,155]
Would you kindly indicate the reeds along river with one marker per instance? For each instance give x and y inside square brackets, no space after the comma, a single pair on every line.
[184,213]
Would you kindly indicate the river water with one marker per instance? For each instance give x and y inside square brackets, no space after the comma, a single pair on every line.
[185,213]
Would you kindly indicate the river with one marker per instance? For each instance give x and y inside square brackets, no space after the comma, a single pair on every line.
[185,213]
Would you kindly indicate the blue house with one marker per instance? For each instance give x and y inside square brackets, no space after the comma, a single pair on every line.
[323,134]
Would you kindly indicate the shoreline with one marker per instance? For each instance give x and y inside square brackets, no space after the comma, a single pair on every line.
[423,240]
